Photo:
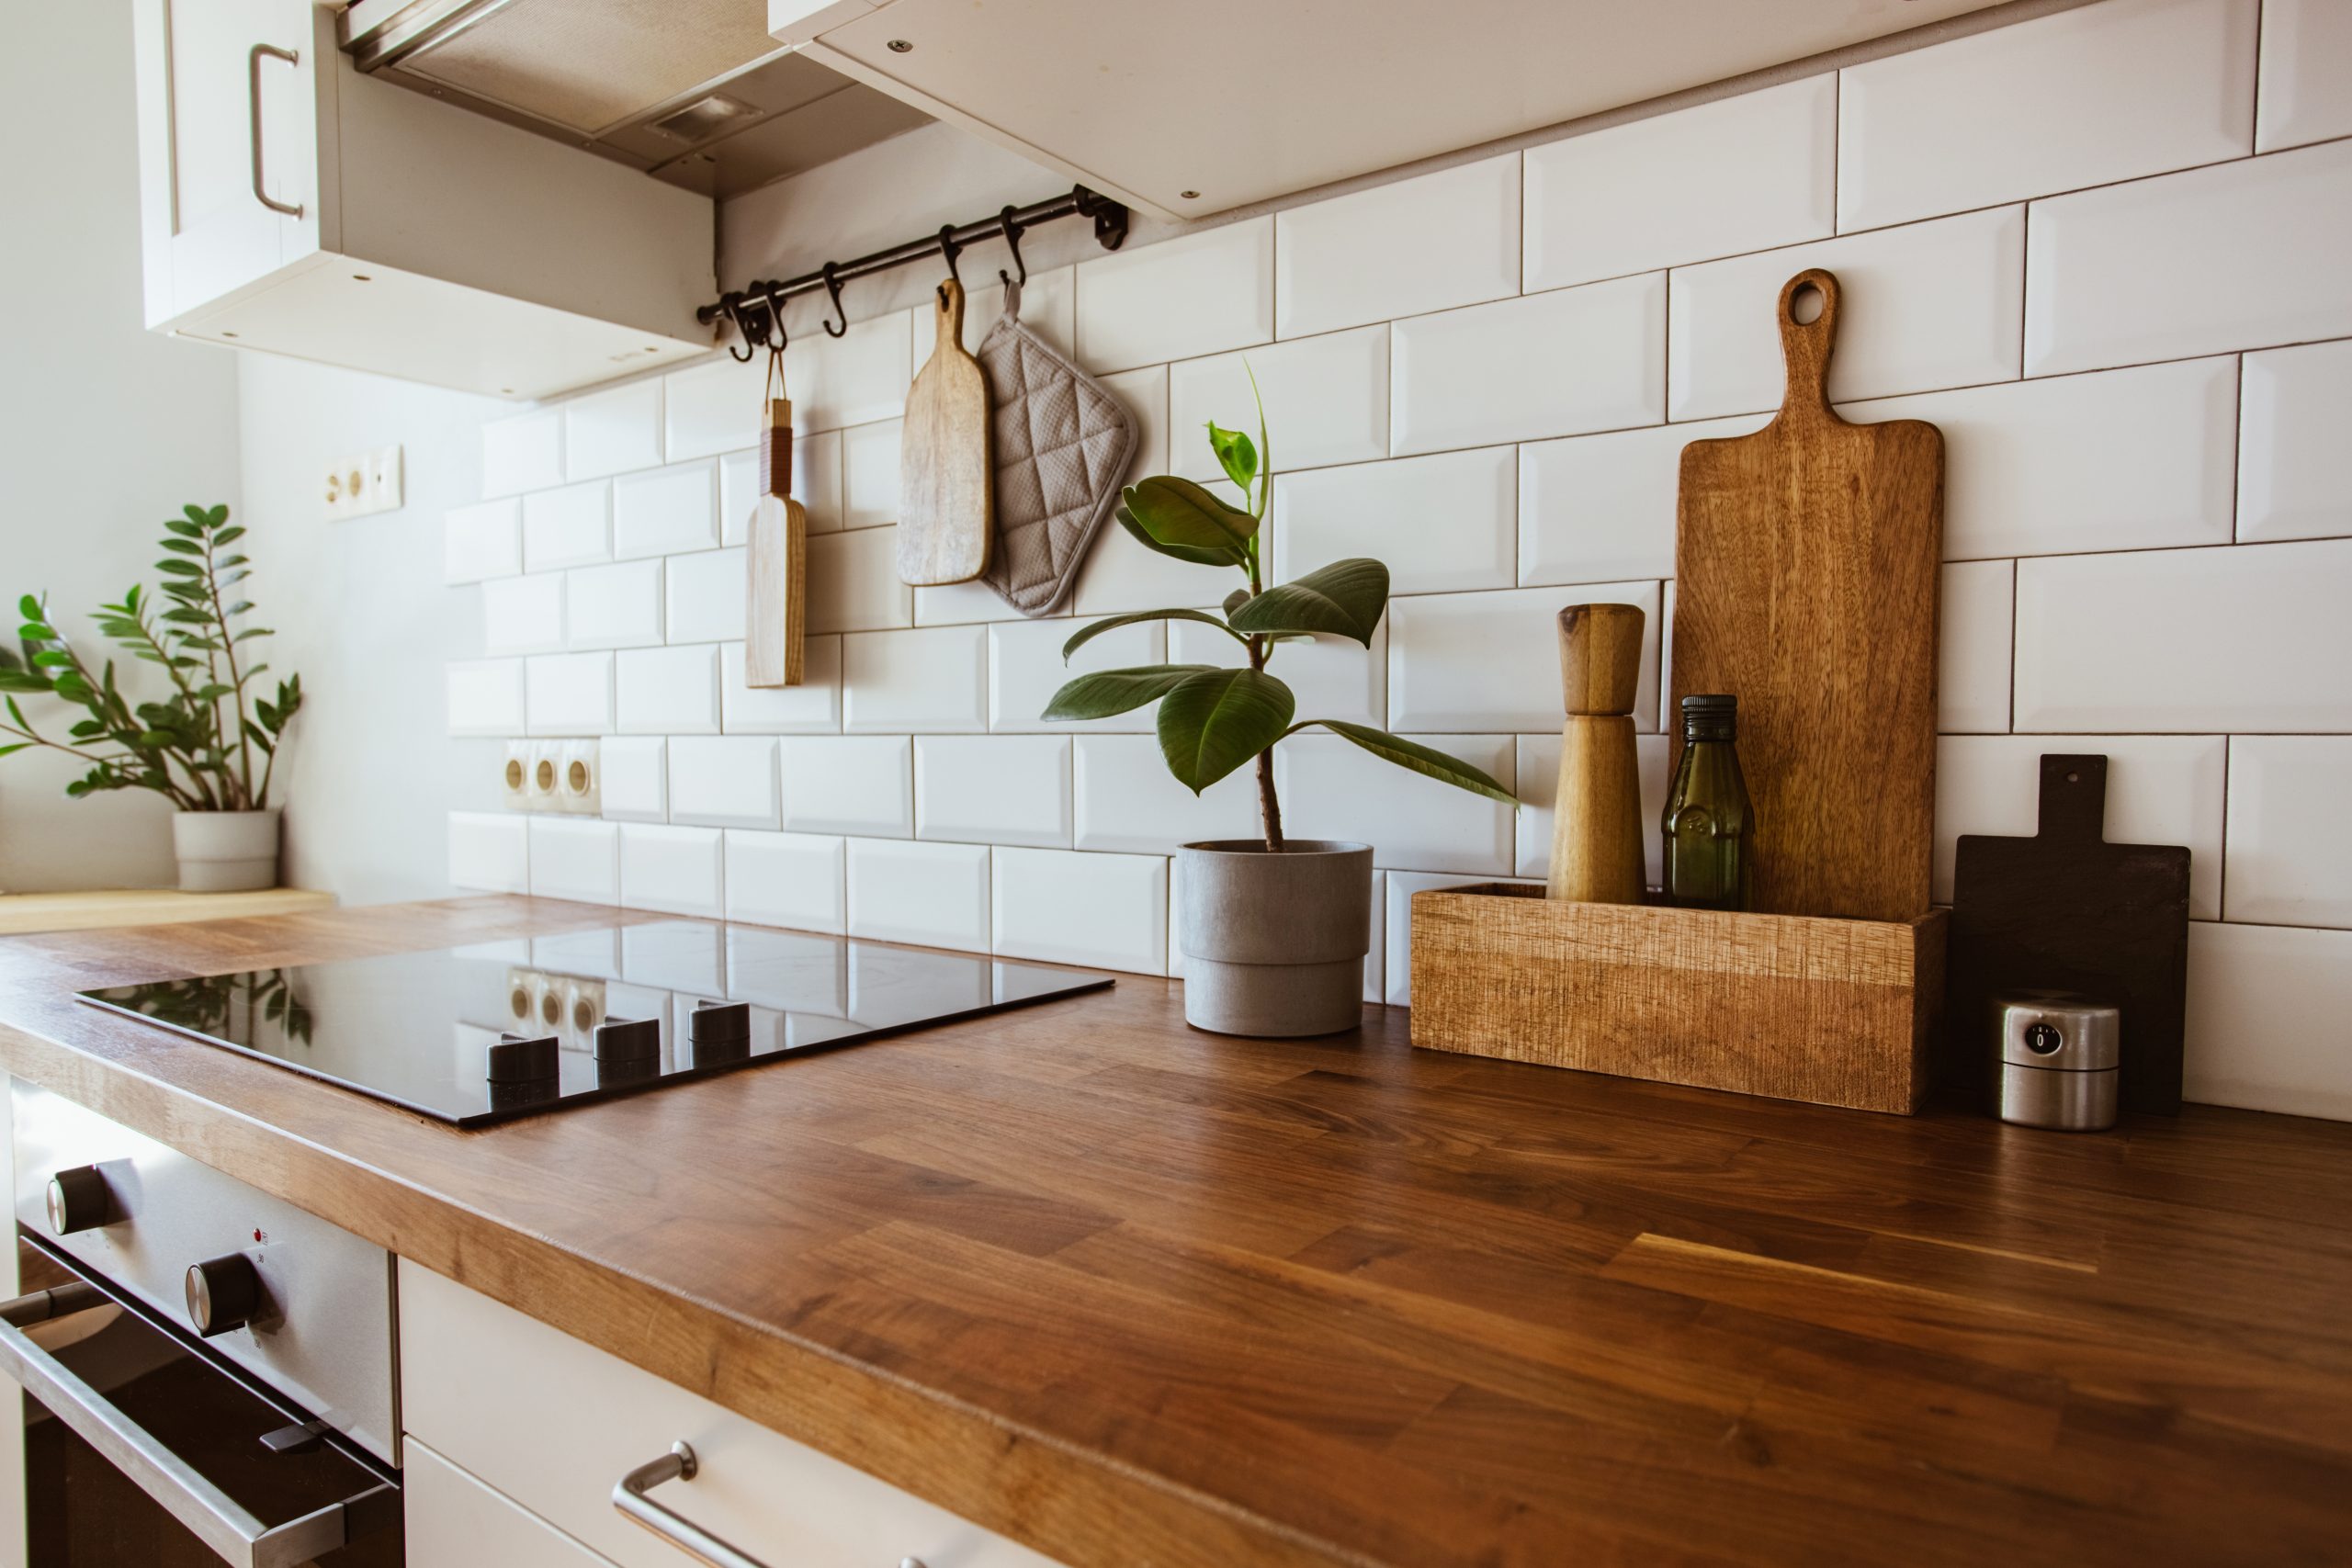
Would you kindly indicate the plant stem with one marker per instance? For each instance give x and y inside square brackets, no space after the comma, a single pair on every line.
[236,686]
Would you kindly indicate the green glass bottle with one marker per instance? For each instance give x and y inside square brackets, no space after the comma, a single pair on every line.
[1708,824]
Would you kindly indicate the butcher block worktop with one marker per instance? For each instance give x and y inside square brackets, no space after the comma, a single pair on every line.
[1138,1295]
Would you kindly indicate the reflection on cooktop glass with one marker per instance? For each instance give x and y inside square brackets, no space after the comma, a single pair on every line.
[479,1034]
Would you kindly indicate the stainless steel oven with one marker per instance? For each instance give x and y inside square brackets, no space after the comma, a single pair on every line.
[210,1370]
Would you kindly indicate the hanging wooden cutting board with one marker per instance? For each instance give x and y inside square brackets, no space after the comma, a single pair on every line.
[776,613]
[1806,559]
[947,503]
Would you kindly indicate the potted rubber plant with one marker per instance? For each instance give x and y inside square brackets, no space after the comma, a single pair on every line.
[209,743]
[1273,929]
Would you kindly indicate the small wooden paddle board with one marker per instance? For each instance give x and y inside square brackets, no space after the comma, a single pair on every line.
[776,613]
[947,498]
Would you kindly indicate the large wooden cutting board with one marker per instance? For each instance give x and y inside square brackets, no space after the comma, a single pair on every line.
[946,486]
[1806,559]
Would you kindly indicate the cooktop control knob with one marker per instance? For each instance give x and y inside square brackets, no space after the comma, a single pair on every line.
[224,1293]
[78,1200]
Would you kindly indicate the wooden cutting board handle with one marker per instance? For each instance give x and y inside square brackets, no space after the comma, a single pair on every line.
[1805,346]
[775,448]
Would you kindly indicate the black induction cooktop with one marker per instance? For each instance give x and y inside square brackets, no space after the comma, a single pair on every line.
[481,1035]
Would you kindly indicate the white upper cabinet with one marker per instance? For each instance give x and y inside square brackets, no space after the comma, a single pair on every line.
[290,204]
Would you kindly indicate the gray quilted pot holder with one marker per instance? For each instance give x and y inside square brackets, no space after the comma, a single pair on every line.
[1062,445]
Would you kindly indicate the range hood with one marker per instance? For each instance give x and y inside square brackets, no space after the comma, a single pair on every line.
[692,91]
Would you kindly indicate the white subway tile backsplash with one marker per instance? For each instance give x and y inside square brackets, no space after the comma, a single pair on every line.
[1402,249]
[574,857]
[1556,363]
[933,679]
[1972,664]
[869,461]
[669,691]
[568,693]
[724,781]
[712,408]
[817,481]
[1491,661]
[521,615]
[489,851]
[1202,294]
[2084,98]
[637,778]
[522,451]
[1326,401]
[679,869]
[2267,1005]
[2240,256]
[2306,73]
[932,894]
[2290,836]
[853,582]
[961,603]
[2244,637]
[1441,522]
[855,378]
[1107,910]
[785,879]
[813,707]
[1922,307]
[571,527]
[1332,788]
[1742,173]
[613,432]
[482,541]
[998,789]
[2294,464]
[1128,801]
[707,592]
[849,784]
[666,511]
[485,696]
[613,606]
[1401,887]
[1597,508]
[2161,789]
[1025,669]
[1539,788]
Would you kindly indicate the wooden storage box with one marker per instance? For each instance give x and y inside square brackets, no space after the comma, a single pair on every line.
[1838,1013]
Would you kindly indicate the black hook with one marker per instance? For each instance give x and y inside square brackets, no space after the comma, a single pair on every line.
[951,250]
[733,305]
[833,287]
[1012,243]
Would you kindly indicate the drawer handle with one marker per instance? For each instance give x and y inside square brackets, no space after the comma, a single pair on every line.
[252,103]
[679,1464]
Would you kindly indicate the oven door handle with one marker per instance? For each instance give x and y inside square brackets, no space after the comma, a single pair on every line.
[209,1513]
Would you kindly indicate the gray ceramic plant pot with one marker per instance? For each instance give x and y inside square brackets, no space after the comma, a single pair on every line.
[226,851]
[1273,945]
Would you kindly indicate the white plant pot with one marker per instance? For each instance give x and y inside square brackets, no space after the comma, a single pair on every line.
[1273,945]
[226,851]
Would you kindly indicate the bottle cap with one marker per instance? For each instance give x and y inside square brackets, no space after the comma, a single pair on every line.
[1710,715]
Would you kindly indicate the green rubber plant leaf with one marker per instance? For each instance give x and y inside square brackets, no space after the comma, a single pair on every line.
[1235,600]
[1424,760]
[1087,634]
[1234,455]
[1212,723]
[1178,512]
[1344,599]
[1220,556]
[1108,692]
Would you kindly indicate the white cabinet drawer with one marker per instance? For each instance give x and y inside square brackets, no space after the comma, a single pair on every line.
[454,1521]
[553,1423]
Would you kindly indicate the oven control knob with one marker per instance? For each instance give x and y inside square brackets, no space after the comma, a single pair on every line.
[223,1293]
[78,1200]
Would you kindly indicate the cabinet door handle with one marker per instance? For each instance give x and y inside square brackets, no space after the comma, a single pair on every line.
[252,103]
[679,1464]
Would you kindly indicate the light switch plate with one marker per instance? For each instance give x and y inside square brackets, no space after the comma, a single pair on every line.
[362,484]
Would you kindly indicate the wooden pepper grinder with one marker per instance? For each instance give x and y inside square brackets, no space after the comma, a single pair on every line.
[1597,815]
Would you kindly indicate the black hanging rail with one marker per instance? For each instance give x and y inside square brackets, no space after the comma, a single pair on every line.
[757,309]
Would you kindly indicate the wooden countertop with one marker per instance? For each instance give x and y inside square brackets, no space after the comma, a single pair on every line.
[1140,1295]
[22,912]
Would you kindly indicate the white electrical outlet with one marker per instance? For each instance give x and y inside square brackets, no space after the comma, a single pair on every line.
[363,484]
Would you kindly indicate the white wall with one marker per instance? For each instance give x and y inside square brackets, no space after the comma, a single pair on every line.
[104,428]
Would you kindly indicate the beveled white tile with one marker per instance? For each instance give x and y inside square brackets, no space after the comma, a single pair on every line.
[933,680]
[786,879]
[2306,73]
[1441,522]
[1538,792]
[522,451]
[1201,293]
[2242,637]
[1109,911]
[712,408]
[1025,669]
[669,691]
[1720,179]
[1972,658]
[489,851]
[961,604]
[2290,836]
[1597,508]
[1401,887]
[613,606]
[707,593]
[480,541]
[571,527]
[853,582]
[2239,255]
[849,784]
[1118,574]
[816,484]
[2267,1005]
[1333,788]
[666,511]
[637,778]
[997,789]
[813,707]
[1491,661]
[1128,801]
[1048,303]
[724,781]
[1332,677]
[575,857]
[521,615]
[485,696]
[855,378]
[2084,98]
[2294,464]
[2161,789]
[568,693]
[2118,459]
[1556,363]
[676,869]
[1401,249]
[613,432]
[1326,401]
[932,894]
[1922,307]
[870,475]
